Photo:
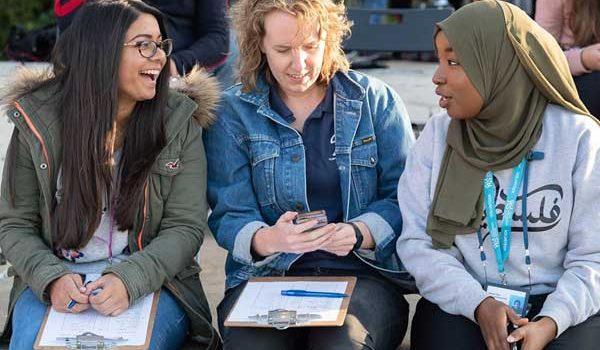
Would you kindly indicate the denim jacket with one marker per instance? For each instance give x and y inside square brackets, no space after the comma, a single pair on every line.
[256,170]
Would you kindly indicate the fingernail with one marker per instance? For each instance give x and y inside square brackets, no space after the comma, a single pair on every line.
[82,289]
[510,339]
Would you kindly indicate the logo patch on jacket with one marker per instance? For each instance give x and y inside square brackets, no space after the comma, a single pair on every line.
[173,165]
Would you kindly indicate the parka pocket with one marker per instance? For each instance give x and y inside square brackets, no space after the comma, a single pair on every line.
[166,167]
[190,271]
[263,158]
[363,163]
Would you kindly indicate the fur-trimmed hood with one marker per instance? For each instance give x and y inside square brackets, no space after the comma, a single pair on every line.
[197,85]
[204,90]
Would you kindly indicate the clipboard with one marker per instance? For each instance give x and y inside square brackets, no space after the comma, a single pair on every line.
[284,317]
[88,340]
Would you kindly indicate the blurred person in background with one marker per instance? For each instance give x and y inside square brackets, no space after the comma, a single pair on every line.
[576,26]
[199,29]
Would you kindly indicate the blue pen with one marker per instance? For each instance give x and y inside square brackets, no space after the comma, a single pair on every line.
[307,293]
[71,304]
[95,292]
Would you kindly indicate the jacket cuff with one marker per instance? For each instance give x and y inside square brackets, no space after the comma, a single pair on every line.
[52,273]
[380,230]
[470,300]
[575,61]
[561,318]
[128,275]
[242,248]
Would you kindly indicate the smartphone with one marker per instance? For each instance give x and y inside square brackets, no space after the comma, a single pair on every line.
[511,328]
[319,215]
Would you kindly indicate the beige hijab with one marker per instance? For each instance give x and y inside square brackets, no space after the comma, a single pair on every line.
[517,68]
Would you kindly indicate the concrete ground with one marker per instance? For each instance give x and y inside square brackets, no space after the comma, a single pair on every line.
[411,80]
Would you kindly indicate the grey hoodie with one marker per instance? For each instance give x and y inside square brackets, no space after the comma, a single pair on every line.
[563,220]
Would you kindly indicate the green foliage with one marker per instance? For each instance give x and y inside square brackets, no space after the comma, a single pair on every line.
[31,14]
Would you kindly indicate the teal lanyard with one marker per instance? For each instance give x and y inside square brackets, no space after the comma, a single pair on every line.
[501,245]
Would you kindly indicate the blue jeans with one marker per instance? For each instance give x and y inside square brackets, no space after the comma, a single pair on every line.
[169,331]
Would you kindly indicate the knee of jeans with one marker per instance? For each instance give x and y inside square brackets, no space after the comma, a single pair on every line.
[28,309]
[171,335]
[27,318]
[170,324]
[352,335]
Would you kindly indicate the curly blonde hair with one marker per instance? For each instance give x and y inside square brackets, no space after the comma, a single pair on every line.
[249,22]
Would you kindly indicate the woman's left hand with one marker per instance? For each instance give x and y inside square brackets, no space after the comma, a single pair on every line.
[535,335]
[112,298]
[342,240]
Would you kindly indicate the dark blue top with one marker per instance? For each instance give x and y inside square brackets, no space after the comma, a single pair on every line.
[323,189]
[200,32]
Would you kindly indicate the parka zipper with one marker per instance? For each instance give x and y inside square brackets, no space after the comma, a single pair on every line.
[37,135]
[144,215]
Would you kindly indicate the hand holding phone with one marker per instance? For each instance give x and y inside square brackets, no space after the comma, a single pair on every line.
[319,215]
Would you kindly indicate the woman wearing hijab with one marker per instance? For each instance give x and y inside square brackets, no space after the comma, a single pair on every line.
[498,197]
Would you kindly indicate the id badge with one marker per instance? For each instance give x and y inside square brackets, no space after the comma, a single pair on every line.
[515,298]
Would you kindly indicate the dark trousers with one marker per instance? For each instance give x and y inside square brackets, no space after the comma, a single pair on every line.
[433,328]
[377,318]
[588,86]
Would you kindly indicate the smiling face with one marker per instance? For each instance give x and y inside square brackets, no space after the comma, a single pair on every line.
[457,94]
[137,74]
[295,56]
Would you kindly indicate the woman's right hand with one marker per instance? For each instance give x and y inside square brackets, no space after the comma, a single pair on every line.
[493,317]
[66,288]
[590,57]
[287,237]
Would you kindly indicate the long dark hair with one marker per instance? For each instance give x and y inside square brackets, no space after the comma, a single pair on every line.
[86,65]
[585,22]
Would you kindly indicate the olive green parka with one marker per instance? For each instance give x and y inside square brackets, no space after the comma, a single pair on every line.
[169,228]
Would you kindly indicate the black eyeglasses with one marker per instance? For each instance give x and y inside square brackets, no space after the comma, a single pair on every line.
[147,48]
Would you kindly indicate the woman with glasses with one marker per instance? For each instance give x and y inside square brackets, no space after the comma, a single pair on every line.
[105,175]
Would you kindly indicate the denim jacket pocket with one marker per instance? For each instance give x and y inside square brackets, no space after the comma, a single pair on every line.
[263,156]
[363,163]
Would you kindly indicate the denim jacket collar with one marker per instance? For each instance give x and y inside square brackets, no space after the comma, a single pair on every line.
[348,100]
[344,88]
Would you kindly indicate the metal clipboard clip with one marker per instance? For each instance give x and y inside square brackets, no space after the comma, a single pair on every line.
[89,341]
[283,319]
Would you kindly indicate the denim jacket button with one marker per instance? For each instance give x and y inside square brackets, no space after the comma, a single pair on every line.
[372,160]
[342,168]
[299,206]
[295,158]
